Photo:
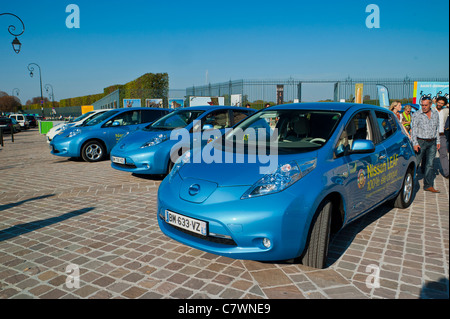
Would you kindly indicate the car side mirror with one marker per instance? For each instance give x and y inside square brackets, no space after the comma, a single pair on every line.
[362,147]
[207,127]
[115,123]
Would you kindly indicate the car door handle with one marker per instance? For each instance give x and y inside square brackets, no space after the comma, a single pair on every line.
[404,146]
[382,157]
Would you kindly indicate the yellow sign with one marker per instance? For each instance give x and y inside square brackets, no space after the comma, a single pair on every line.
[359,93]
[86,108]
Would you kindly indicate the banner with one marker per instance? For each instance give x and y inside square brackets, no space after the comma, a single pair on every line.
[131,102]
[153,102]
[429,89]
[176,103]
[383,96]
[359,93]
[280,94]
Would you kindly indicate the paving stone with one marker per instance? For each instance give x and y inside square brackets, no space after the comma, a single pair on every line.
[103,221]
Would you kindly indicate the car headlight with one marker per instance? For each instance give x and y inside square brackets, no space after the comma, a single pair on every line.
[185,158]
[286,175]
[74,132]
[156,140]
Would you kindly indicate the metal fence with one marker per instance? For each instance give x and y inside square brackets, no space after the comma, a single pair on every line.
[259,92]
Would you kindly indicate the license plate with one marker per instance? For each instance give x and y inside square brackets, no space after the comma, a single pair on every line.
[187,223]
[118,160]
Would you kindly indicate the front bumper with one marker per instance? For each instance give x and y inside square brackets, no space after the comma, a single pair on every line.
[64,147]
[152,160]
[237,228]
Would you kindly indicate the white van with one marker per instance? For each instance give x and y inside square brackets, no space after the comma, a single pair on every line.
[21,118]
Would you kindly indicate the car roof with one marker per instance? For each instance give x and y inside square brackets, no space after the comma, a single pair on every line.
[214,107]
[324,106]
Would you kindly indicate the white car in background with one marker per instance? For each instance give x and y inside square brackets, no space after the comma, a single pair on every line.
[75,122]
[22,119]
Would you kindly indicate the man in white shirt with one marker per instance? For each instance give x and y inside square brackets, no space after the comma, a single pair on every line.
[441,103]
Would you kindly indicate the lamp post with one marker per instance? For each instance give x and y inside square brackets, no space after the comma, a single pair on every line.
[15,43]
[31,69]
[15,92]
[49,87]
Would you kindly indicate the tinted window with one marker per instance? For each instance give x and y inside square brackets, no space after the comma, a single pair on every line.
[151,115]
[386,123]
[239,116]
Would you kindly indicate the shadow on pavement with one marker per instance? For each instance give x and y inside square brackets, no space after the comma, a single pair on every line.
[21,229]
[6,206]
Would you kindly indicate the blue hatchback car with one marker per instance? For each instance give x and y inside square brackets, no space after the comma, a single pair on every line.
[151,150]
[309,170]
[94,139]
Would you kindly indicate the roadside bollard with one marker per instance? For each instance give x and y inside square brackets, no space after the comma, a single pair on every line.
[1,137]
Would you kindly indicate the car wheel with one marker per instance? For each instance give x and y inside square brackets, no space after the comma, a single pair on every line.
[316,252]
[93,151]
[404,197]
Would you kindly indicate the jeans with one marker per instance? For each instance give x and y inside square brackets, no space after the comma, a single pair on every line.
[443,155]
[428,149]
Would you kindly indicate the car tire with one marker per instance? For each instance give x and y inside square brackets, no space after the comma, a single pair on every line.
[93,151]
[404,197]
[316,252]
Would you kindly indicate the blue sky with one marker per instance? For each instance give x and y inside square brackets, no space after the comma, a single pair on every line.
[118,41]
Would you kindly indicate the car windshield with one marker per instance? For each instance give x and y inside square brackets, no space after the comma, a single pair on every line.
[176,119]
[99,119]
[93,117]
[291,131]
[82,117]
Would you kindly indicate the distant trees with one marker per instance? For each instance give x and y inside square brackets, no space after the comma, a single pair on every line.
[9,103]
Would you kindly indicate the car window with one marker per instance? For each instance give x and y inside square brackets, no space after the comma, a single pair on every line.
[292,131]
[151,115]
[386,123]
[176,119]
[126,118]
[358,128]
[100,118]
[218,119]
[239,116]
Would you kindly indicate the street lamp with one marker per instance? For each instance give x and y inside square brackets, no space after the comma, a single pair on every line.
[49,87]
[15,43]
[31,69]
[15,92]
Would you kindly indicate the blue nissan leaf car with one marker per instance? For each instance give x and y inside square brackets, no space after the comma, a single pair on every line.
[153,151]
[94,139]
[284,179]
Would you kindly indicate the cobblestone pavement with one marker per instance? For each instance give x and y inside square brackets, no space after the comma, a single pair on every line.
[60,217]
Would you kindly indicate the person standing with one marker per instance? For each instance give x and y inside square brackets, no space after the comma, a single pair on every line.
[425,139]
[441,103]
[396,107]
[406,118]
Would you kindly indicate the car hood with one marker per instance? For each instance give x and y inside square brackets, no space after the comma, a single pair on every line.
[246,172]
[135,139]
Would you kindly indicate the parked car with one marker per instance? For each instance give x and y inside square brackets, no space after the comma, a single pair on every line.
[31,120]
[21,118]
[94,139]
[75,122]
[6,124]
[149,151]
[335,162]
